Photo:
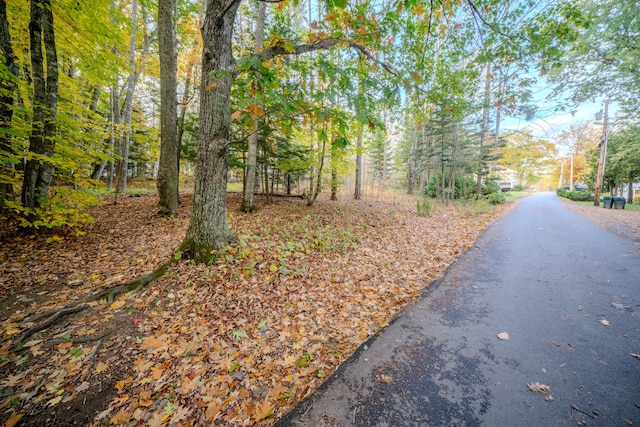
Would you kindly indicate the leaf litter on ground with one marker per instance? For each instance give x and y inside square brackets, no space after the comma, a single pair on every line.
[235,342]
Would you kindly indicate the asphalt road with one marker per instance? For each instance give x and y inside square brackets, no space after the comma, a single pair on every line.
[546,276]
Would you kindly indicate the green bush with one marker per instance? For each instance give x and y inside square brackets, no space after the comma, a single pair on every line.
[490,187]
[518,187]
[576,196]
[497,198]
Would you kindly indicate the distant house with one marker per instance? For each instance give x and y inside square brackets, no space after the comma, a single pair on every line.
[507,178]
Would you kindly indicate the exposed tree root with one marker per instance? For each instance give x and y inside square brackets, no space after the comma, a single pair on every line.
[109,293]
[50,321]
[132,285]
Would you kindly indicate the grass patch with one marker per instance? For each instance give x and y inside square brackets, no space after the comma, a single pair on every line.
[234,186]
[627,206]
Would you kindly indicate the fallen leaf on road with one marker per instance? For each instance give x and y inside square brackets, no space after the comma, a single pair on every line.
[637,356]
[538,388]
[622,307]
[503,336]
[549,398]
[605,322]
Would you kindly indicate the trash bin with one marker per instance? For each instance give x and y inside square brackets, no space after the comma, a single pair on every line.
[618,202]
[608,202]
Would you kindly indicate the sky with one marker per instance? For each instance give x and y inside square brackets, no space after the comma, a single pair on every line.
[549,124]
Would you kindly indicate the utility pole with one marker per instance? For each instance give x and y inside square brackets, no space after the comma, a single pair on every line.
[603,154]
[571,174]
[561,173]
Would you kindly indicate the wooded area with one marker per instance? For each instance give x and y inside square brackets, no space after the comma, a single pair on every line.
[325,102]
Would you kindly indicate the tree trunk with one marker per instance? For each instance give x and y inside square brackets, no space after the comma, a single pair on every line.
[630,191]
[334,173]
[483,131]
[122,165]
[7,89]
[357,195]
[411,163]
[208,229]
[318,179]
[39,175]
[252,151]
[169,164]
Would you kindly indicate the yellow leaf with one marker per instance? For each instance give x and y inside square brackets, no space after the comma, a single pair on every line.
[212,85]
[101,367]
[54,401]
[117,304]
[273,267]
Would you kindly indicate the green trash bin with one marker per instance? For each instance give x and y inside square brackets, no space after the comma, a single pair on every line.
[608,202]
[619,202]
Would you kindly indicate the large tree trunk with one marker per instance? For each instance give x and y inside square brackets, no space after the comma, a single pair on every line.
[208,229]
[38,175]
[252,150]
[7,89]
[168,168]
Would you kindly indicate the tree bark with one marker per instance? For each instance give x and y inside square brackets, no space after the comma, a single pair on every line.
[122,165]
[7,89]
[357,194]
[167,182]
[411,163]
[252,149]
[483,131]
[39,174]
[208,229]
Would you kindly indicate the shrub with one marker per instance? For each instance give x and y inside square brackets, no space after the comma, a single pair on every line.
[497,198]
[490,187]
[65,208]
[576,196]
[424,206]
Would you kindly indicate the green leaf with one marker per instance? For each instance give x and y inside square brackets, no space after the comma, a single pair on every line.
[177,256]
[238,334]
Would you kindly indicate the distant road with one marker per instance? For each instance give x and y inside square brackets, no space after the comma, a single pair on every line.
[567,293]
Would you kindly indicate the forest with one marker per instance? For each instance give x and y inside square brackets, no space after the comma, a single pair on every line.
[258,169]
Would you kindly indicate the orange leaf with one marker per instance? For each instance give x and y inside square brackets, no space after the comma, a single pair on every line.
[120,418]
[236,114]
[263,410]
[13,420]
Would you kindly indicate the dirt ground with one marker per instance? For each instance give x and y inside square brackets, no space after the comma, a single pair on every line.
[239,341]
[624,222]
